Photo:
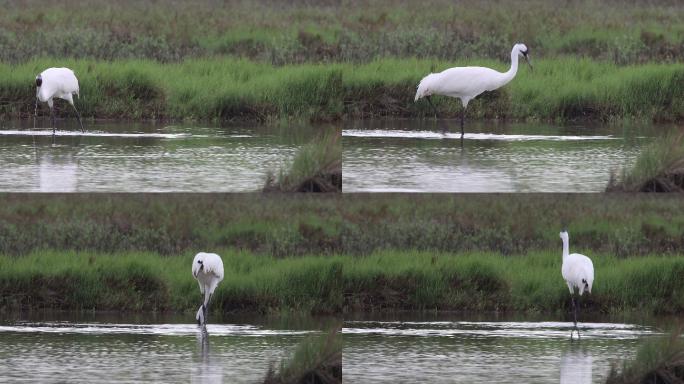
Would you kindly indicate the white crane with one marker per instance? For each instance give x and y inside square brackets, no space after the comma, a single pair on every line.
[207,268]
[58,83]
[466,83]
[578,272]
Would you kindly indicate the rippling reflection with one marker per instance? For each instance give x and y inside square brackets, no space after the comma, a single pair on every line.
[58,174]
[501,352]
[204,371]
[418,156]
[576,364]
[90,352]
[120,157]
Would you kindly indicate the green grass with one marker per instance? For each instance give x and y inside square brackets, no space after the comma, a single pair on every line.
[413,280]
[658,360]
[659,168]
[317,167]
[284,225]
[224,89]
[149,282]
[357,30]
[317,359]
[387,280]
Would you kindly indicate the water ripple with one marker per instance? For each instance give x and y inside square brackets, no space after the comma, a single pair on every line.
[145,329]
[47,132]
[381,133]
[538,330]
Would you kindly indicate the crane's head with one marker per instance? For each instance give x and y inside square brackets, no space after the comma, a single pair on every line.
[39,81]
[564,235]
[197,265]
[524,52]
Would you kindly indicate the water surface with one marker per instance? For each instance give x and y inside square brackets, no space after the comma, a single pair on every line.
[134,349]
[429,156]
[138,157]
[498,351]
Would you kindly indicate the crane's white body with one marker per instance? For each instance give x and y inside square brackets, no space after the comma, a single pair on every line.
[207,268]
[58,83]
[466,83]
[577,270]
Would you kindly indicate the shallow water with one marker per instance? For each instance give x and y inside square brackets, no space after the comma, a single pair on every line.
[136,157]
[427,156]
[130,349]
[501,351]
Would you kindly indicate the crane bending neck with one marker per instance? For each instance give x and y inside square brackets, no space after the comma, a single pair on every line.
[510,74]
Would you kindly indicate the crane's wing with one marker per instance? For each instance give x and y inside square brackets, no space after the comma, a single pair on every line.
[214,265]
[467,81]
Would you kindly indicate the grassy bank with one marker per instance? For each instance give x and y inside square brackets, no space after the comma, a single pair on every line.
[410,280]
[317,167]
[149,282]
[659,168]
[353,30]
[383,281]
[282,225]
[237,89]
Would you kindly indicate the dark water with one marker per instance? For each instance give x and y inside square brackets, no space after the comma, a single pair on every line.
[135,349]
[137,157]
[495,351]
[418,156]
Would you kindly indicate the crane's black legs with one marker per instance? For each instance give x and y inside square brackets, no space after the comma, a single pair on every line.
[574,311]
[52,120]
[78,115]
[432,105]
[463,112]
[206,310]
[35,113]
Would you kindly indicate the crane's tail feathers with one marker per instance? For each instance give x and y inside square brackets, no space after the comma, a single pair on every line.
[424,87]
[200,315]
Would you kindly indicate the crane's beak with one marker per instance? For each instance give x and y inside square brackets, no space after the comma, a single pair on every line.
[527,58]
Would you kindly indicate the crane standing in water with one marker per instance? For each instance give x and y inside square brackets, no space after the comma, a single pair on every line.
[578,272]
[466,83]
[58,83]
[207,268]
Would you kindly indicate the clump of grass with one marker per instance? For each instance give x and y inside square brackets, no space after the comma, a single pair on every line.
[317,359]
[657,361]
[317,167]
[659,168]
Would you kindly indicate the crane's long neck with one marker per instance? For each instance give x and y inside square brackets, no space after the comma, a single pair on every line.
[510,74]
[566,248]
